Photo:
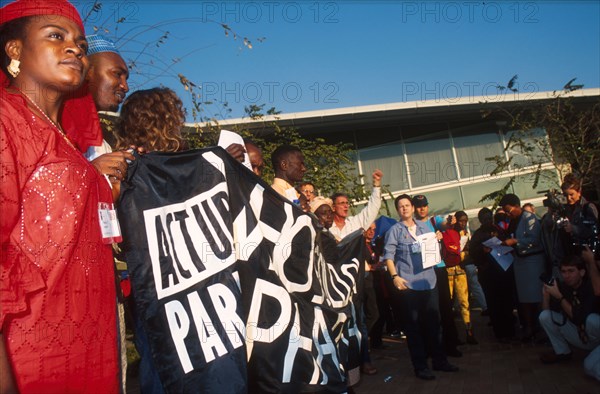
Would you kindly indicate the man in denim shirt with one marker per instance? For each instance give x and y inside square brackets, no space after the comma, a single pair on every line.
[417,293]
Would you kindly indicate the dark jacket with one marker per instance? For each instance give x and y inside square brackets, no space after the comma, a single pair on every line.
[582,300]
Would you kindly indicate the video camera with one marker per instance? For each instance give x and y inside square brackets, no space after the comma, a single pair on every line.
[555,201]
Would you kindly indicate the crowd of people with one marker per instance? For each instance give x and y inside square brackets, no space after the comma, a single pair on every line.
[62,317]
[400,293]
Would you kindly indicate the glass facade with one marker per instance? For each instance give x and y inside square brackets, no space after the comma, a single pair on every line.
[533,140]
[388,158]
[430,160]
[450,166]
[472,148]
[523,186]
[444,200]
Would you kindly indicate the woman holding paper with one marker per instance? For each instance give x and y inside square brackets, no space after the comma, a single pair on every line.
[525,237]
[416,290]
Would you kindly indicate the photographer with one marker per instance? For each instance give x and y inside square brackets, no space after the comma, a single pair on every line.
[582,215]
[570,316]
[591,364]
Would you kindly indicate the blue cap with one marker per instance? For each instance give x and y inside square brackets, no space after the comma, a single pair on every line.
[98,43]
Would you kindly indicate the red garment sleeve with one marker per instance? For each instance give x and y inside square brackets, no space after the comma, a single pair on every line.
[18,275]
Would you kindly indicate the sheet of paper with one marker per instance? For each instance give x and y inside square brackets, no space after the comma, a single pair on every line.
[492,242]
[503,258]
[430,249]
[503,249]
[227,138]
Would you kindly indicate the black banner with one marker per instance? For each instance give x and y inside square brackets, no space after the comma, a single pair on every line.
[237,289]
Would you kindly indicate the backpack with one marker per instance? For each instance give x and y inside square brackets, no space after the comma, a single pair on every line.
[451,248]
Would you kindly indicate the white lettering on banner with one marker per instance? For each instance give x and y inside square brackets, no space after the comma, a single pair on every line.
[335,284]
[338,327]
[178,317]
[283,249]
[261,334]
[189,241]
[215,161]
[245,243]
[327,348]
[346,269]
[296,343]
[209,338]
[353,330]
[179,325]
[225,304]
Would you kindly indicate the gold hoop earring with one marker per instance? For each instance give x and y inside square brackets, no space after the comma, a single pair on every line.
[13,68]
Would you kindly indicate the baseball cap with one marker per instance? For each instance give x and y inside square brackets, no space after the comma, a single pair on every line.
[420,201]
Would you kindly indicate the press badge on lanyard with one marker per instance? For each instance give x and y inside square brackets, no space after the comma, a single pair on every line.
[415,247]
[109,225]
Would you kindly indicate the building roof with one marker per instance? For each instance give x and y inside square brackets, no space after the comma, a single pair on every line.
[412,111]
[394,112]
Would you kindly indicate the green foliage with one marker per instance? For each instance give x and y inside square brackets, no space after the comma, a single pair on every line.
[571,141]
[329,166]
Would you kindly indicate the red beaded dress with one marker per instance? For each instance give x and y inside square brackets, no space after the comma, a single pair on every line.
[57,294]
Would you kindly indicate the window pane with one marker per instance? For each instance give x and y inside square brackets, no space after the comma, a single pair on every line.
[533,150]
[444,201]
[523,186]
[472,147]
[430,160]
[473,193]
[390,160]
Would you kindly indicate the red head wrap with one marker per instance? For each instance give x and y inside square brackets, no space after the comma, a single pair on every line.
[22,8]
[79,117]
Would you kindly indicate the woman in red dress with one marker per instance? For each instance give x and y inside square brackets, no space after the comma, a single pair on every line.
[57,294]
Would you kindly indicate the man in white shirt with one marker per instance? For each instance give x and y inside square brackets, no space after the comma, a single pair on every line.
[344,224]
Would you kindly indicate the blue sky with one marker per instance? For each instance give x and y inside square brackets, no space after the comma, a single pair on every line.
[331,54]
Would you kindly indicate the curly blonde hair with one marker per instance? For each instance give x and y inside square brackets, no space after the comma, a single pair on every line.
[151,119]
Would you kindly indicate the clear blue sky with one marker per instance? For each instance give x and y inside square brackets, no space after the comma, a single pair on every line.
[321,55]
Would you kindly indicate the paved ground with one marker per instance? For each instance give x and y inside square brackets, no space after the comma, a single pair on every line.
[489,367]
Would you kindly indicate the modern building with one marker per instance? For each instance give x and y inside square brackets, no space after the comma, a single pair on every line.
[434,147]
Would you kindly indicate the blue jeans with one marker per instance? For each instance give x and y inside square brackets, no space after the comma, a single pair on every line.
[474,286]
